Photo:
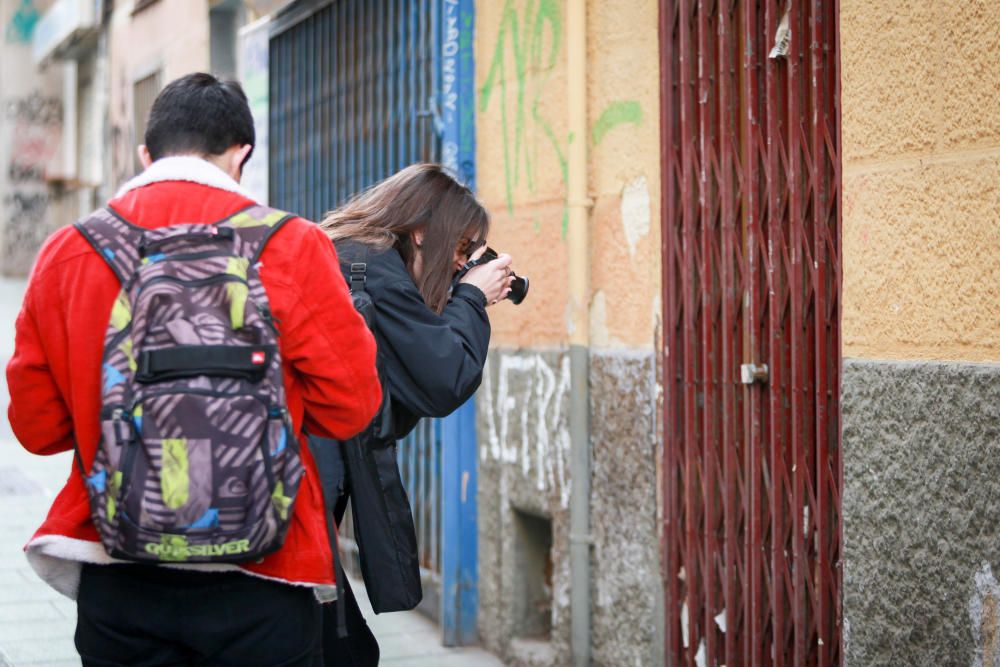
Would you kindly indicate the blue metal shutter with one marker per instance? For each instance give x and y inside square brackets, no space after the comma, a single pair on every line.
[351,98]
[353,91]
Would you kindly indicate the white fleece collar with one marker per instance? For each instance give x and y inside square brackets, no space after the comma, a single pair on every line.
[185,168]
[57,559]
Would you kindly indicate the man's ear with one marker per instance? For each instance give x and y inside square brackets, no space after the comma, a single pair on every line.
[145,159]
[234,166]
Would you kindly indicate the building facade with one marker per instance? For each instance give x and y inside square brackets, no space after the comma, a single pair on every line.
[528,152]
[921,327]
[42,171]
[569,118]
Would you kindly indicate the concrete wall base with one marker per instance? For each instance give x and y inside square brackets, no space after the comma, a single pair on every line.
[921,513]
[524,478]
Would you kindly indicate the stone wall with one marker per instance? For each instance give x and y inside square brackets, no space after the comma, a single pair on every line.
[524,490]
[921,513]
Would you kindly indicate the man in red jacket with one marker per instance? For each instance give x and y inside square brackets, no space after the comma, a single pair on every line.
[200,133]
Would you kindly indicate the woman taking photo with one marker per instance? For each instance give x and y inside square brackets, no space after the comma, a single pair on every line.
[401,244]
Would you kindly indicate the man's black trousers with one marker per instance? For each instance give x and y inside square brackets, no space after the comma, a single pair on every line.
[144,615]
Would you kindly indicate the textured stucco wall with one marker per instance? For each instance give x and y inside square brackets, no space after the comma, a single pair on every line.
[524,466]
[522,147]
[921,513]
[921,157]
[921,265]
[172,37]
[624,96]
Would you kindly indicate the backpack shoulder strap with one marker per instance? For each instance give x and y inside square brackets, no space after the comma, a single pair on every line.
[353,257]
[115,239]
[359,273]
[253,228]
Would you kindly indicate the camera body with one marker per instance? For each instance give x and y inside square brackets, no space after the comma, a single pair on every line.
[518,286]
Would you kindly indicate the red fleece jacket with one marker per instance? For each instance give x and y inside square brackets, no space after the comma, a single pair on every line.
[54,376]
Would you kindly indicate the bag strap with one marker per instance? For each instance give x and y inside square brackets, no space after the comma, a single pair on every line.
[253,227]
[339,575]
[358,279]
[115,239]
[118,241]
[334,487]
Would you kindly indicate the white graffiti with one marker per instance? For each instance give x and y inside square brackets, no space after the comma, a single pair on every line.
[983,607]
[449,61]
[449,156]
[527,425]
[449,79]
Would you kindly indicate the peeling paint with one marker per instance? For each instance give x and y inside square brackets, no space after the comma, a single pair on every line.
[699,657]
[983,612]
[599,334]
[684,624]
[720,620]
[635,212]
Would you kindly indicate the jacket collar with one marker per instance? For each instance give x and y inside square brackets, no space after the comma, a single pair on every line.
[185,168]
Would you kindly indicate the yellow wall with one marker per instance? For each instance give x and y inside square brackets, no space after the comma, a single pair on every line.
[921,157]
[523,141]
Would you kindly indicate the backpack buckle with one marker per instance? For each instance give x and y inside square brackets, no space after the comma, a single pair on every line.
[358,277]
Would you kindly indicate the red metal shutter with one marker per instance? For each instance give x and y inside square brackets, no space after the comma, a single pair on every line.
[752,473]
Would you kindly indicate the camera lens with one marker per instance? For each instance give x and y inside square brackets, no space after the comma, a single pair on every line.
[518,290]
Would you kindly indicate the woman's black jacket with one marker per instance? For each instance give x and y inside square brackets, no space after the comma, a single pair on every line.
[429,365]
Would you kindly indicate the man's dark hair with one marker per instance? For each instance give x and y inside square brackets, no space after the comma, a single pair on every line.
[199,114]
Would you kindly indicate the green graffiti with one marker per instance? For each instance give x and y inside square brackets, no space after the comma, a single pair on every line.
[524,38]
[22,25]
[533,38]
[616,114]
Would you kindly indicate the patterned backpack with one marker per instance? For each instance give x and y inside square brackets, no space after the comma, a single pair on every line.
[197,460]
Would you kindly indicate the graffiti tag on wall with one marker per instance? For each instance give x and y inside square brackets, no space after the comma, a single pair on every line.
[457,122]
[529,426]
[22,25]
[35,125]
[36,133]
[523,36]
[532,39]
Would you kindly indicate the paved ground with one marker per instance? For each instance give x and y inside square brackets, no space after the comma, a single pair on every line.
[37,624]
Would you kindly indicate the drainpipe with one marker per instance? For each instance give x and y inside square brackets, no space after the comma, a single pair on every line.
[578,241]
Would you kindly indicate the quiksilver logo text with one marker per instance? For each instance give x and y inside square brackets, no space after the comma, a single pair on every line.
[182,551]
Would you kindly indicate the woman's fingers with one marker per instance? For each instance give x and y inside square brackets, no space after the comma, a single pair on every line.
[494,278]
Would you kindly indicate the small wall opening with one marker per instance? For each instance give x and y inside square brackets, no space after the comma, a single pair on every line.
[533,598]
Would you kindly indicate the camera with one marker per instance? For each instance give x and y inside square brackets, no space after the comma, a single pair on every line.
[518,286]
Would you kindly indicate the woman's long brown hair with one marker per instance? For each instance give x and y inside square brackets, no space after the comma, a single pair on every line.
[419,196]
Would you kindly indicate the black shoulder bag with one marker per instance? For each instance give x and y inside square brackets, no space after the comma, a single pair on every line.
[365,469]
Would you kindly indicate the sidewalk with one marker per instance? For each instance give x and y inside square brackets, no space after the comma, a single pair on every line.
[37,624]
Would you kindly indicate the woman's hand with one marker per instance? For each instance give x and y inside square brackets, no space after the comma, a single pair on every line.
[493,278]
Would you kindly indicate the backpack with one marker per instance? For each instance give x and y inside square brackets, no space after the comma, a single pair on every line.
[197,460]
